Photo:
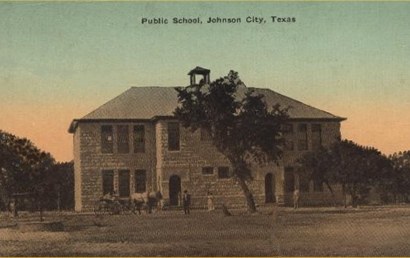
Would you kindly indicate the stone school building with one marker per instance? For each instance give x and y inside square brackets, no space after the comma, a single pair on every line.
[133,143]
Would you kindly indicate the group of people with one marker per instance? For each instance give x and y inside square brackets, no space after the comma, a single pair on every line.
[186,201]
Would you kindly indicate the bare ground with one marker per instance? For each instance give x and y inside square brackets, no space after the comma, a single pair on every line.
[367,231]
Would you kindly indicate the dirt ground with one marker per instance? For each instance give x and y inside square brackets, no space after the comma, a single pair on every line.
[366,231]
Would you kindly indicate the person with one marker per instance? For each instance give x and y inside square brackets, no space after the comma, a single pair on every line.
[296,196]
[186,201]
[13,208]
[211,205]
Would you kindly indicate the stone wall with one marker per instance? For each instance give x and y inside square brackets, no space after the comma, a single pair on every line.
[194,154]
[186,163]
[90,161]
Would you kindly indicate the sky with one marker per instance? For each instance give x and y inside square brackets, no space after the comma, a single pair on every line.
[60,61]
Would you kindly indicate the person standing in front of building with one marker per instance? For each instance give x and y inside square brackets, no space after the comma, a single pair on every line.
[186,202]
[296,196]
[210,201]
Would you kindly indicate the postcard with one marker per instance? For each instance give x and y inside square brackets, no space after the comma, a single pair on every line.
[182,128]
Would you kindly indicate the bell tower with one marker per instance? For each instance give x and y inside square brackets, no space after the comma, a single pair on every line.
[202,72]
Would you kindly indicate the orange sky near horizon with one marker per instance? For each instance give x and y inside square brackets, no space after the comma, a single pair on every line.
[47,127]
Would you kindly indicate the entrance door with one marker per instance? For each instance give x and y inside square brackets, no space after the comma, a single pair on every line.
[174,190]
[269,188]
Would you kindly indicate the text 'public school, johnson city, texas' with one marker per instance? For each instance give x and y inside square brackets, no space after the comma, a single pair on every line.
[218,20]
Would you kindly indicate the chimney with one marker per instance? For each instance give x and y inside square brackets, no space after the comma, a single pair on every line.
[199,71]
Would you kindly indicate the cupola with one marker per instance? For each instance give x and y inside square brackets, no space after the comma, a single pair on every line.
[202,72]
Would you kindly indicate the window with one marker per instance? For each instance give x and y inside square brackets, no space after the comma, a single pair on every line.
[287,128]
[205,134]
[302,137]
[140,181]
[123,139]
[124,183]
[139,138]
[108,181]
[223,172]
[207,170]
[173,136]
[316,136]
[317,186]
[106,139]
[289,179]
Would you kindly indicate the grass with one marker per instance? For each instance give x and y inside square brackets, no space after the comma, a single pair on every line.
[367,231]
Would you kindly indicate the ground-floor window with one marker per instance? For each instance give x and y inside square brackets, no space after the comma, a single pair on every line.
[207,170]
[289,179]
[108,181]
[223,172]
[140,181]
[124,183]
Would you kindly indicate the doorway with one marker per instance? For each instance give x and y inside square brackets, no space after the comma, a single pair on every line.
[269,188]
[174,190]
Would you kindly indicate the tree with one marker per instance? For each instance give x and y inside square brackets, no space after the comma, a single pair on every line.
[22,167]
[315,166]
[400,183]
[241,125]
[355,167]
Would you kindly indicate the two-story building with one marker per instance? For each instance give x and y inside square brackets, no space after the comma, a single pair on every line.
[133,143]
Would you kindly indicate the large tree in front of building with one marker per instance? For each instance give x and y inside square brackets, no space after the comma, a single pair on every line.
[355,167]
[241,125]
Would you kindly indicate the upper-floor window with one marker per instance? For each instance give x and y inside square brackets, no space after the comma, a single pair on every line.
[123,139]
[207,170]
[140,181]
[223,172]
[106,139]
[139,138]
[287,130]
[108,181]
[173,136]
[302,137]
[316,136]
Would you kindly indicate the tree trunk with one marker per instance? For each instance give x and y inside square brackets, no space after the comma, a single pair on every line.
[332,193]
[248,195]
[354,196]
[344,195]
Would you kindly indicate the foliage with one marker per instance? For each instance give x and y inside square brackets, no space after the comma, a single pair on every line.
[240,124]
[29,172]
[355,167]
[400,183]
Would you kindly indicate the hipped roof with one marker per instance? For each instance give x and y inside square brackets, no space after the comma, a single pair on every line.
[145,103]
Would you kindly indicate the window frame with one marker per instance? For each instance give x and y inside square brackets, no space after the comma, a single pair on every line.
[174,136]
[137,183]
[107,139]
[122,172]
[104,173]
[123,139]
[139,142]
[220,172]
[207,173]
